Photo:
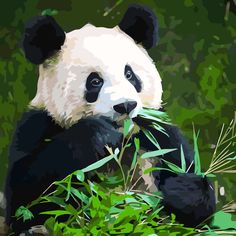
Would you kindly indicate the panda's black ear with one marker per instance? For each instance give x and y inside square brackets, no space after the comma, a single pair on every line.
[42,38]
[140,23]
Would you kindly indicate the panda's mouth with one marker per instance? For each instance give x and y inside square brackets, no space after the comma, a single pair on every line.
[121,118]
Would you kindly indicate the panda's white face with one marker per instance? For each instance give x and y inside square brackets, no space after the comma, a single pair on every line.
[96,70]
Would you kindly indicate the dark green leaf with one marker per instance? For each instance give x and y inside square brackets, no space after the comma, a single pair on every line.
[25,213]
[49,12]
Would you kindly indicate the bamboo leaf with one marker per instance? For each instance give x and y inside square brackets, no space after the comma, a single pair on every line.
[149,170]
[231,158]
[157,153]
[159,128]
[197,161]
[183,162]
[25,213]
[127,126]
[56,213]
[79,175]
[151,138]
[137,146]
[49,12]
[173,167]
[99,163]
[80,195]
[154,114]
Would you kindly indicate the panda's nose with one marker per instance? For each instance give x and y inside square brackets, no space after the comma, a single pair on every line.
[125,108]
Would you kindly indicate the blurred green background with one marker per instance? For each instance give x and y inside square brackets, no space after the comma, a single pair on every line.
[196,57]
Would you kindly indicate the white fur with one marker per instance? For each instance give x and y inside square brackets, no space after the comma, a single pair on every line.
[61,84]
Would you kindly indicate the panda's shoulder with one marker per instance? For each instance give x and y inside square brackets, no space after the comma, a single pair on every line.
[33,127]
[34,122]
[32,116]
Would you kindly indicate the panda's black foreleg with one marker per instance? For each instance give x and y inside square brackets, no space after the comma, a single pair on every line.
[189,196]
[45,157]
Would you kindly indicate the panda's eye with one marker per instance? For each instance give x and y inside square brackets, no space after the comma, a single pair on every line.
[96,82]
[132,78]
[129,75]
[93,85]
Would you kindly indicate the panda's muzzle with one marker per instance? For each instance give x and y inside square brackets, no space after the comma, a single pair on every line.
[125,108]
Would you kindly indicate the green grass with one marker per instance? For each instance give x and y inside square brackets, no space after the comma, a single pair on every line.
[113,205]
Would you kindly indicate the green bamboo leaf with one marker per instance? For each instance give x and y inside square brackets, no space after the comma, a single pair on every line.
[210,175]
[197,160]
[56,213]
[183,162]
[223,221]
[149,170]
[150,200]
[231,158]
[173,167]
[68,188]
[127,125]
[157,153]
[137,146]
[158,168]
[79,175]
[99,163]
[59,201]
[80,195]
[154,119]
[25,213]
[93,187]
[159,128]
[49,12]
[153,113]
[150,136]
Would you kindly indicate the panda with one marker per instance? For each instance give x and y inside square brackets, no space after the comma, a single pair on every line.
[89,80]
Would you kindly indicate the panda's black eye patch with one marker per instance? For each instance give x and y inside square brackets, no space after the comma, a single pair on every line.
[129,75]
[94,84]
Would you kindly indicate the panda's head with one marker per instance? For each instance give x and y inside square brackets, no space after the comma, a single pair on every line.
[94,70]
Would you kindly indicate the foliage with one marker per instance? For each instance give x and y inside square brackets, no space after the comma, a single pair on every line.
[195,49]
[112,204]
[195,57]
[226,144]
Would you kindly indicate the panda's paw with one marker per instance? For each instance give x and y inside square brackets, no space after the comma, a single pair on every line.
[94,133]
[104,133]
[190,197]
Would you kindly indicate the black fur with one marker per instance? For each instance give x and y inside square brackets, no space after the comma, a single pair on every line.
[42,38]
[140,23]
[133,80]
[92,90]
[43,152]
[190,197]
